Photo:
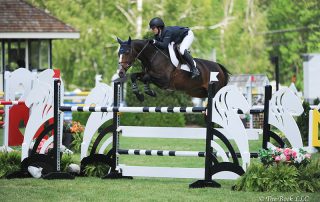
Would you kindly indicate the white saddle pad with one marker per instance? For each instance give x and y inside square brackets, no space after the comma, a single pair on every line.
[175,60]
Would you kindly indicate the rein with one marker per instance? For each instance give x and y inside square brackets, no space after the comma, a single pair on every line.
[162,52]
[140,52]
[154,54]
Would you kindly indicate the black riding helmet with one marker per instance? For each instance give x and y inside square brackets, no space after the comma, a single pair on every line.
[156,22]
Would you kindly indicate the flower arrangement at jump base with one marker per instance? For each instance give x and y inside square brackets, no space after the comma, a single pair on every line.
[73,135]
[294,156]
[281,170]
[73,127]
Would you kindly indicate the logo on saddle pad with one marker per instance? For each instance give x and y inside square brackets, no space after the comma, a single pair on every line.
[178,63]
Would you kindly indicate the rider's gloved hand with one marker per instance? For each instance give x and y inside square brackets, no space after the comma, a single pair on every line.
[152,41]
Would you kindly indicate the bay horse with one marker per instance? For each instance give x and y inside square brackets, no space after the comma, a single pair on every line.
[158,69]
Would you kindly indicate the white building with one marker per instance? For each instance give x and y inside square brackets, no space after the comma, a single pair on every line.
[311,76]
[251,86]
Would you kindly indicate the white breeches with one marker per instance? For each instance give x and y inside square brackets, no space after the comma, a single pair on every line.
[186,42]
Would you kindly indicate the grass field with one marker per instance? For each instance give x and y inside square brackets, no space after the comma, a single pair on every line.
[141,189]
[94,189]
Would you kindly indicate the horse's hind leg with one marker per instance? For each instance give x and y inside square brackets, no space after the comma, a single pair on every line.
[147,89]
[135,88]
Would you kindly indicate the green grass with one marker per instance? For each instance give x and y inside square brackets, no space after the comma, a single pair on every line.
[94,189]
[140,189]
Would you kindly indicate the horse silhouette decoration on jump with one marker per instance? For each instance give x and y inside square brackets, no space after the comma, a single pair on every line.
[158,69]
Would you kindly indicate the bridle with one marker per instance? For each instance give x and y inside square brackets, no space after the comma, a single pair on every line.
[125,65]
[129,64]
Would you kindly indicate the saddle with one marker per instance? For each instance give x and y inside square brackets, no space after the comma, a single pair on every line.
[176,58]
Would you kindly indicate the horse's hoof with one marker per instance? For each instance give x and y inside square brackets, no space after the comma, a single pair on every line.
[140,96]
[151,93]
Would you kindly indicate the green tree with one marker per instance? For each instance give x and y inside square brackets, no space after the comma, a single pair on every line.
[293,30]
[244,33]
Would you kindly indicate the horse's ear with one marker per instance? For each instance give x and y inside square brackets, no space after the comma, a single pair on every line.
[129,40]
[119,41]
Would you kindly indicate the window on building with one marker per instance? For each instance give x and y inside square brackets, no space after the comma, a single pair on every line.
[31,54]
[15,54]
[39,54]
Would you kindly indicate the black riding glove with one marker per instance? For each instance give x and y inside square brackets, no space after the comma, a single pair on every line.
[152,41]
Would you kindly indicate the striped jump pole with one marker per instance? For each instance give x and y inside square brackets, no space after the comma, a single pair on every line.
[4,102]
[187,110]
[141,152]
[135,109]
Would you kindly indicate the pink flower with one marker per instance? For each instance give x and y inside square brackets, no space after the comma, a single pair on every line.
[288,158]
[287,151]
[294,154]
[308,156]
[278,158]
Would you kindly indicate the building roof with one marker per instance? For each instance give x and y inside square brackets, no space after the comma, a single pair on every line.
[19,19]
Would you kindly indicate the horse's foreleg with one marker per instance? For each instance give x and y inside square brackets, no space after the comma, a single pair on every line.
[147,89]
[135,88]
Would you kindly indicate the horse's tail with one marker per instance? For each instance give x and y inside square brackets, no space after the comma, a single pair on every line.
[226,73]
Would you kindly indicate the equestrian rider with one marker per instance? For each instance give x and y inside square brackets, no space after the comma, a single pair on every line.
[180,35]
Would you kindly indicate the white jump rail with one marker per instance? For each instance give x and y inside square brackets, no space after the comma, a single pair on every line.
[170,172]
[177,132]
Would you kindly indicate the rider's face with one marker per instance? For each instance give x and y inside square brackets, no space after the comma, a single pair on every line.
[155,30]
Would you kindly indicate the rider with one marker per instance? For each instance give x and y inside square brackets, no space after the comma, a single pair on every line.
[181,35]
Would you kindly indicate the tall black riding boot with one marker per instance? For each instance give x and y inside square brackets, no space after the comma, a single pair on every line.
[195,72]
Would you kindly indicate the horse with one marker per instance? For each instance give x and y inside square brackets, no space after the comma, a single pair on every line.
[158,69]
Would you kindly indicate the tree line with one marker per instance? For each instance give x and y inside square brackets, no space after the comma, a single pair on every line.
[243,35]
